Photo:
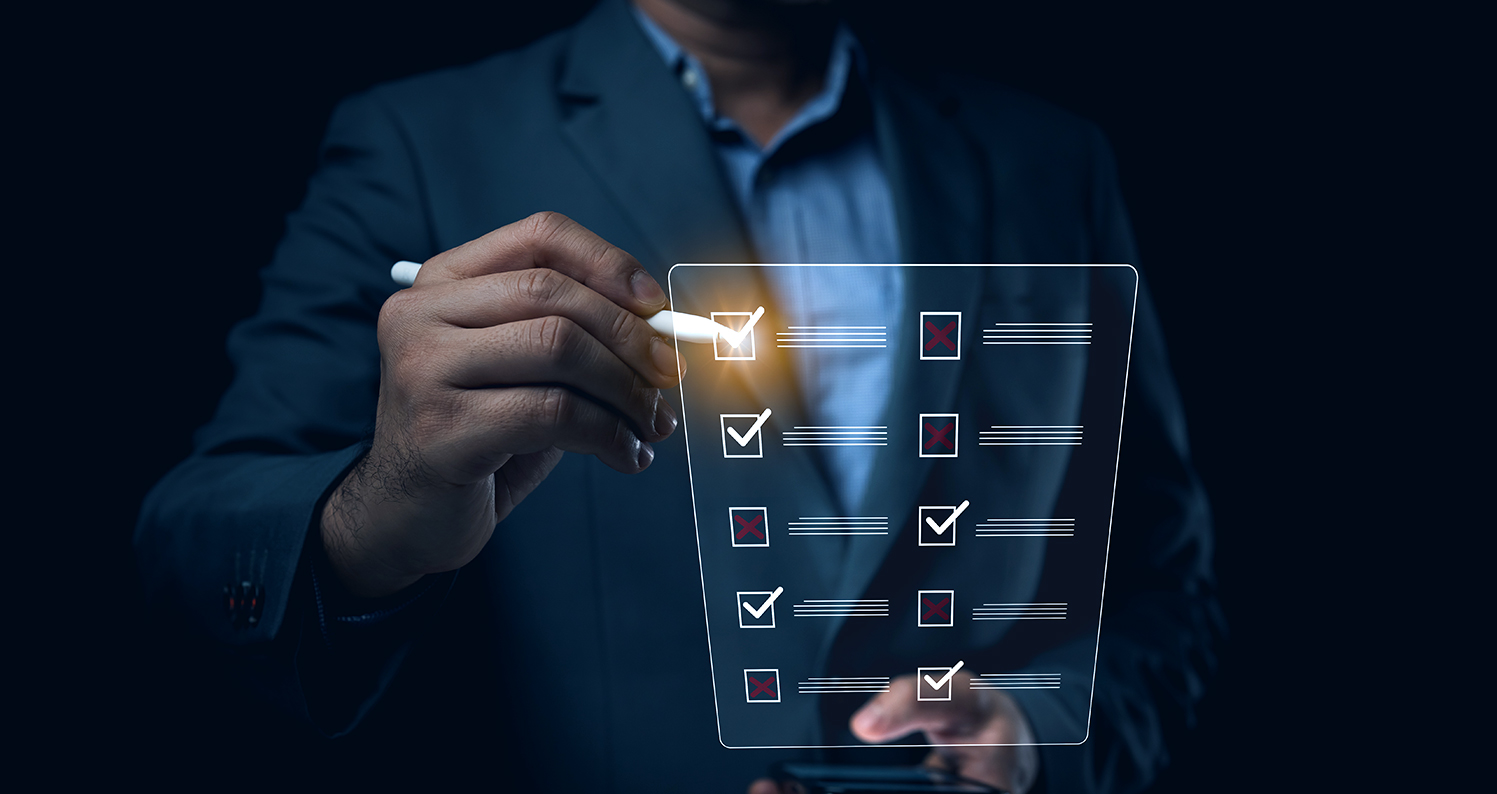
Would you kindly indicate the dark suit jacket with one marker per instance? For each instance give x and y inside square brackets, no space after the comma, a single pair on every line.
[588,123]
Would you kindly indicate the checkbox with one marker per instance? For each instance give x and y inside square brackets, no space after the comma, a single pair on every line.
[940,336]
[740,345]
[938,435]
[935,683]
[935,609]
[749,526]
[762,684]
[938,523]
[756,608]
[741,434]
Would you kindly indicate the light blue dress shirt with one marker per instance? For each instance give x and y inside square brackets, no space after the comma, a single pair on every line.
[825,200]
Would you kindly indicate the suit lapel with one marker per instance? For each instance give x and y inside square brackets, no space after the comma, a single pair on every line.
[937,174]
[941,198]
[640,135]
[637,131]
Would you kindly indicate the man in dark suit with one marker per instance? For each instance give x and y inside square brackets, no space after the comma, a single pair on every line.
[319,551]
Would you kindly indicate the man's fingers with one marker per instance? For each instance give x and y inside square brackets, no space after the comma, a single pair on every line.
[557,350]
[764,786]
[553,241]
[497,299]
[896,713]
[499,422]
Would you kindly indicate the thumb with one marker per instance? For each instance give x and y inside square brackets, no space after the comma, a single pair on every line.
[897,712]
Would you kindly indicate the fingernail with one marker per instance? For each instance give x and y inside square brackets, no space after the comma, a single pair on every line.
[646,289]
[665,358]
[646,454]
[665,418]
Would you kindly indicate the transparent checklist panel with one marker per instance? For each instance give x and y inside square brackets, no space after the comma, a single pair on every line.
[903,479]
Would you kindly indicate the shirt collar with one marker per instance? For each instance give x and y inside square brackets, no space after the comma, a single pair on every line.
[846,54]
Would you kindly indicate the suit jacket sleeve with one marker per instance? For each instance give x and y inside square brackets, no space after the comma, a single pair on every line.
[1161,621]
[239,510]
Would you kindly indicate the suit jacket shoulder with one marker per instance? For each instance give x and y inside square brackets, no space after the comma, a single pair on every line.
[514,78]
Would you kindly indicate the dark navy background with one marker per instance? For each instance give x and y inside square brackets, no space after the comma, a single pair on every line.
[1303,205]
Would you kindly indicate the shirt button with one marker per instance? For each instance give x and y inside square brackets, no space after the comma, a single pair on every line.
[689,79]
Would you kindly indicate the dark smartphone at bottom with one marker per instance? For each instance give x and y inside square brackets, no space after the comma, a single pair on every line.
[853,779]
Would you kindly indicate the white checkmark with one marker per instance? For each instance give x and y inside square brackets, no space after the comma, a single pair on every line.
[735,338]
[749,436]
[936,685]
[941,528]
[759,613]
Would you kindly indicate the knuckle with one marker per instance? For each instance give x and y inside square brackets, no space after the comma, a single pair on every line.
[539,285]
[621,327]
[550,234]
[398,307]
[542,226]
[557,407]
[397,330]
[555,337]
[612,259]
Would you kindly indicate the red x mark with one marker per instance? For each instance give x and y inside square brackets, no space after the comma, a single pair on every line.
[940,335]
[749,526]
[939,435]
[766,687]
[936,609]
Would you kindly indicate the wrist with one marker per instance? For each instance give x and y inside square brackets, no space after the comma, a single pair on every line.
[350,544]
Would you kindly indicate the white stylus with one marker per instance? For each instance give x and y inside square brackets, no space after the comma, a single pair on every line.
[685,327]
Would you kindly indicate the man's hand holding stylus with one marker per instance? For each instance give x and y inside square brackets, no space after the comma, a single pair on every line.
[507,350]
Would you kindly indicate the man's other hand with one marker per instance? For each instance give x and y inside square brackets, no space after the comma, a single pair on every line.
[982,717]
[506,351]
[969,718]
